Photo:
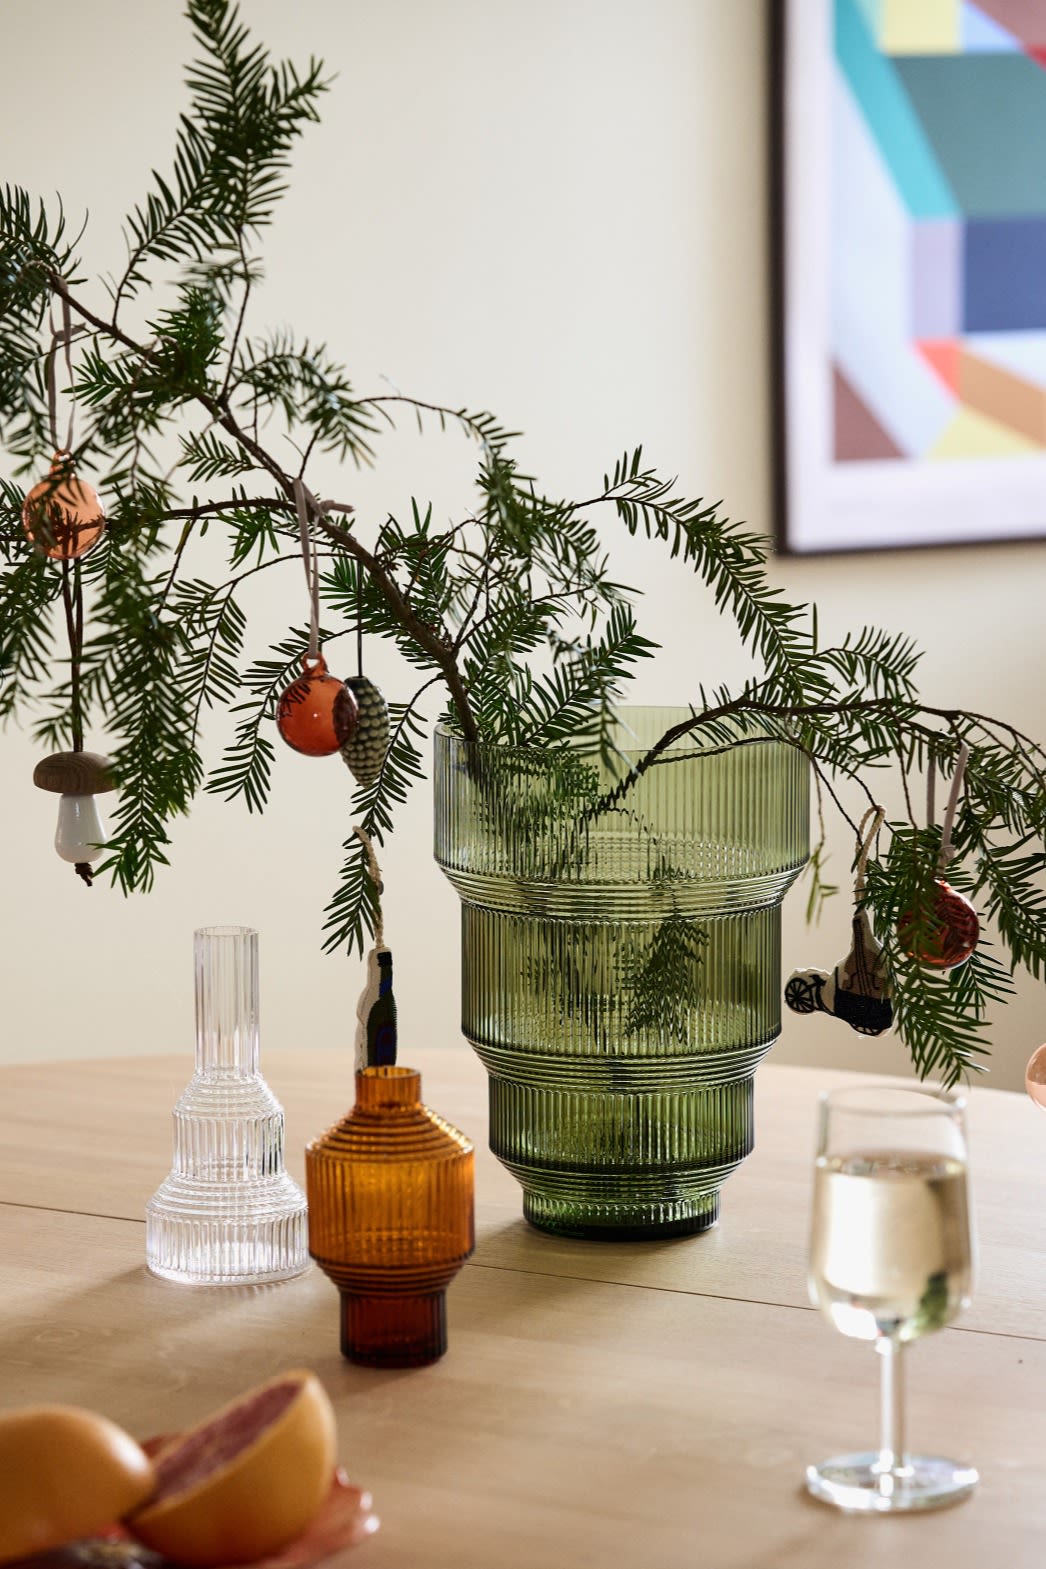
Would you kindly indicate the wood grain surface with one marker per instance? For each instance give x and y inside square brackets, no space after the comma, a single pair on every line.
[637,1405]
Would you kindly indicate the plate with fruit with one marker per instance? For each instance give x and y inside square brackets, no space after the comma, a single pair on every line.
[254,1483]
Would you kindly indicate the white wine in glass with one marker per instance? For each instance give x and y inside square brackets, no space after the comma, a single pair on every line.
[890,1261]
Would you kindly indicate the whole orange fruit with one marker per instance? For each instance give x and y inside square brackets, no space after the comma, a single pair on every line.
[64,1473]
[247,1481]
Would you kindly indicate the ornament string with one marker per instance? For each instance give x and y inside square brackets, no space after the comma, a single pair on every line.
[61,337]
[359,621]
[379,887]
[303,500]
[875,814]
[72,587]
[310,560]
[72,584]
[948,852]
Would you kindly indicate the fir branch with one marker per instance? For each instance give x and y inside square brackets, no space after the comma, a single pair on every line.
[28,590]
[206,457]
[438,648]
[576,700]
[135,660]
[941,1015]
[483,427]
[351,909]
[731,562]
[1015,902]
[246,765]
[212,625]
[232,150]
[309,389]
[33,246]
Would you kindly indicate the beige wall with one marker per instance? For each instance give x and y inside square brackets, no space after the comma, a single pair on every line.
[556,210]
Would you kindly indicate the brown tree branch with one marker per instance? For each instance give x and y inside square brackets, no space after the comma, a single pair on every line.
[439,649]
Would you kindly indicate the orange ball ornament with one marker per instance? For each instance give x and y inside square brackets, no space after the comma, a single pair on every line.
[63,515]
[952,930]
[1035,1077]
[313,715]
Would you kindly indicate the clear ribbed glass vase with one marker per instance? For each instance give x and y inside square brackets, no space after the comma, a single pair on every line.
[228,1214]
[621,962]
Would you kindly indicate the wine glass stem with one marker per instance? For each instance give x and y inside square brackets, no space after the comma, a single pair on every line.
[891,1405]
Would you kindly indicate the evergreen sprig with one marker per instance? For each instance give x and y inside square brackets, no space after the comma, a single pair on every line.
[231,155]
[352,908]
[138,674]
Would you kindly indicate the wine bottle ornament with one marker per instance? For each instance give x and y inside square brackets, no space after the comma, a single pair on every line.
[376,1009]
[858,989]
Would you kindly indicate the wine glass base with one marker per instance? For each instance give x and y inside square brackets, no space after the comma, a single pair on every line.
[859,1485]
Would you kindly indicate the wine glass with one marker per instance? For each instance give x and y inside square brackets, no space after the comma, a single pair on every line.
[890,1261]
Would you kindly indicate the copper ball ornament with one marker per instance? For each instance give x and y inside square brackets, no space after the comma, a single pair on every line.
[313,715]
[1035,1077]
[62,515]
[951,931]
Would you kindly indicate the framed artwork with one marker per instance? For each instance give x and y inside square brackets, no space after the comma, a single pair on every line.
[909,152]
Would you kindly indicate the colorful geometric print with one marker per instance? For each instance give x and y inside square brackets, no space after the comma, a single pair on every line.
[938,229]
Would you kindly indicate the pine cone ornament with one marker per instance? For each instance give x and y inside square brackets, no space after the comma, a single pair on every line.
[364,751]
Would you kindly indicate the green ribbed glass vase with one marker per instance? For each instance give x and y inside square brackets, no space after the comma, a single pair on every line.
[621,964]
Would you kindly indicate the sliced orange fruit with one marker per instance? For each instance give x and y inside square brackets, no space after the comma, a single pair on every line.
[247,1481]
[64,1474]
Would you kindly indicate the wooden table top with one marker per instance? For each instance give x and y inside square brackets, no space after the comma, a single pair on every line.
[648,1404]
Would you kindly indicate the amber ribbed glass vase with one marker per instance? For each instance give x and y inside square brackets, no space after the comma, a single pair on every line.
[390,1192]
[621,961]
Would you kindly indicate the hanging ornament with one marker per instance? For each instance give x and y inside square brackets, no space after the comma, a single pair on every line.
[950,931]
[376,1009]
[947,934]
[1035,1077]
[317,713]
[78,777]
[365,749]
[62,514]
[857,990]
[312,715]
[63,517]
